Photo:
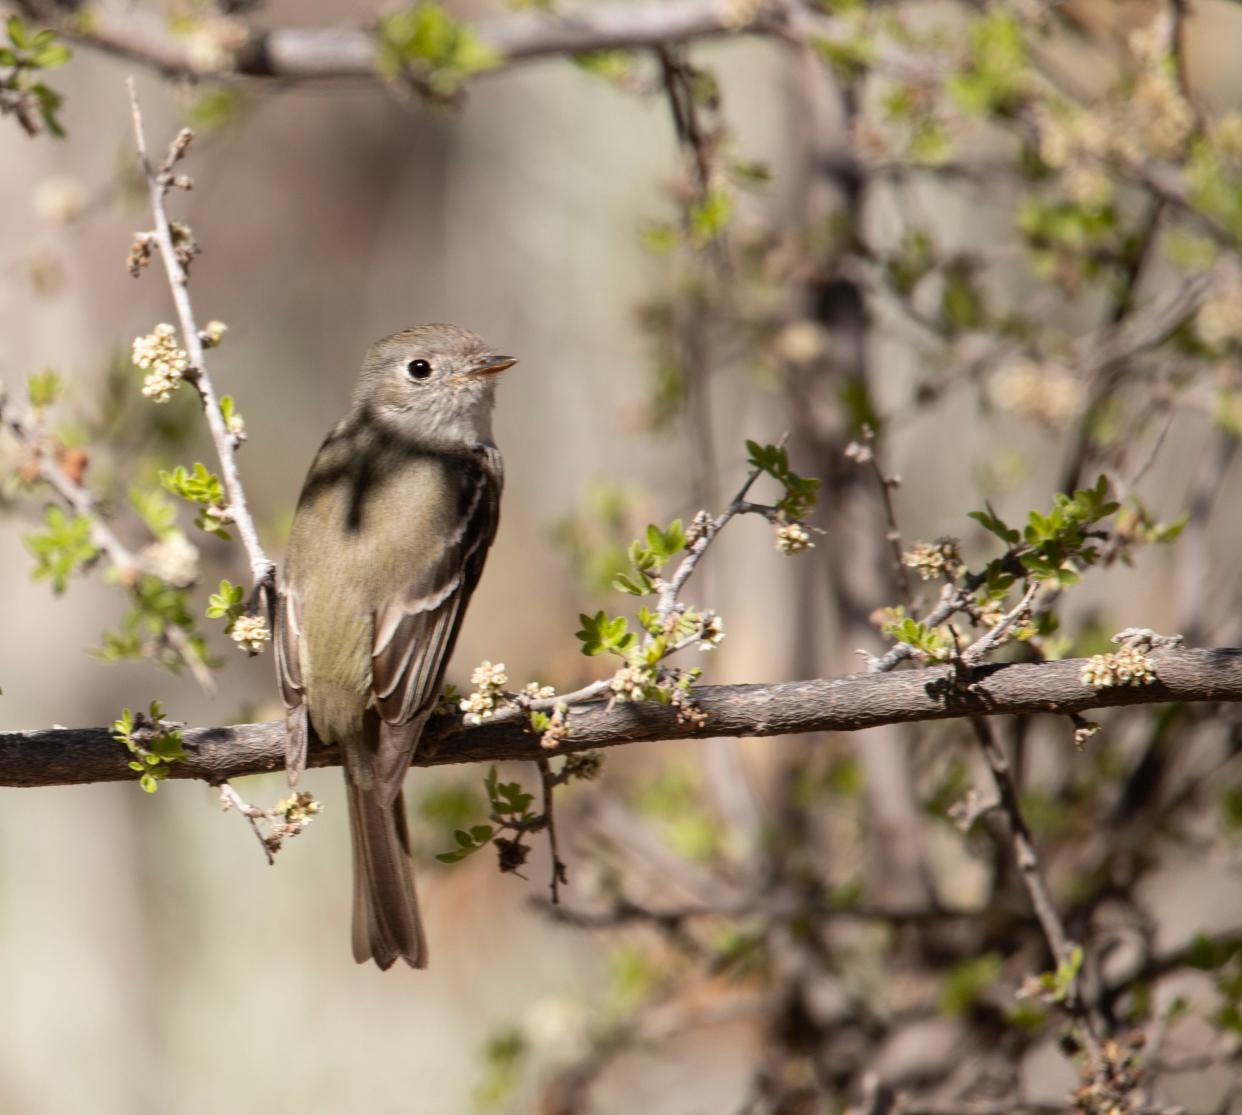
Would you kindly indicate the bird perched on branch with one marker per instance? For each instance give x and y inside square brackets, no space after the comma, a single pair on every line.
[391,532]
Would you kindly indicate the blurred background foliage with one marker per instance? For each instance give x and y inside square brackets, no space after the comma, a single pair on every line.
[990,249]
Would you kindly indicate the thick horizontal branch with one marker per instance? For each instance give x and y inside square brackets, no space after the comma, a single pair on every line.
[66,756]
[303,54]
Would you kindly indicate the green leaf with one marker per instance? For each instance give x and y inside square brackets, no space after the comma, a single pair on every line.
[641,586]
[710,216]
[62,549]
[43,388]
[16,30]
[599,633]
[961,301]
[427,43]
[967,982]
[216,108]
[227,603]
[199,486]
[996,78]
[155,510]
[49,102]
[49,57]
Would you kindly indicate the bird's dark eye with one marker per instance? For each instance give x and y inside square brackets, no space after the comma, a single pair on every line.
[418,369]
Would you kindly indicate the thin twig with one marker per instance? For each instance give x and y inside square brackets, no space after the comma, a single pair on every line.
[672,588]
[667,602]
[975,653]
[868,454]
[262,569]
[1027,861]
[560,873]
[230,798]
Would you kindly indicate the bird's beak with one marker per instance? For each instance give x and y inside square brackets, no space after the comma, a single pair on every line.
[493,364]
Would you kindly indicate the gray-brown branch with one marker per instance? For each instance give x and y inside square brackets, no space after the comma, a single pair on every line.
[67,756]
[309,54]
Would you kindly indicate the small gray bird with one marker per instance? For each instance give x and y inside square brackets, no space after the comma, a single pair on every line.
[391,532]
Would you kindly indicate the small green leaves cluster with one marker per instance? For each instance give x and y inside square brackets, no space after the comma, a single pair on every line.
[1222,957]
[233,421]
[62,548]
[995,79]
[649,556]
[1058,986]
[1071,241]
[602,633]
[510,810]
[23,57]
[203,487]
[968,982]
[614,66]
[424,44]
[800,491]
[962,306]
[1214,170]
[468,841]
[43,388]
[155,606]
[504,1057]
[228,604]
[914,260]
[1049,546]
[930,642]
[921,132]
[158,513]
[154,743]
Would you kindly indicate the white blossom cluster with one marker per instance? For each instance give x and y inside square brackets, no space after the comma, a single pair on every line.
[934,559]
[173,559]
[212,333]
[793,538]
[632,683]
[1219,320]
[712,633]
[212,44]
[1047,393]
[1128,666]
[489,683]
[250,633]
[165,363]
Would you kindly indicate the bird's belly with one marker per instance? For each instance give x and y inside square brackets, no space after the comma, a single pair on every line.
[336,663]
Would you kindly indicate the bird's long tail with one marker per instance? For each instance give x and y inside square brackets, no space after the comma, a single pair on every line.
[387,925]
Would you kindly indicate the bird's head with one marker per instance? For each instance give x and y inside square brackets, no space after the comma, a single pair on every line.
[432,384]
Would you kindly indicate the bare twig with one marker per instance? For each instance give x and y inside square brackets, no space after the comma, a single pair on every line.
[231,799]
[671,589]
[328,53]
[286,820]
[1027,860]
[979,649]
[867,454]
[158,179]
[559,872]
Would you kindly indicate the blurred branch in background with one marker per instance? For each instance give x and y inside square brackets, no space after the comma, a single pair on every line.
[353,52]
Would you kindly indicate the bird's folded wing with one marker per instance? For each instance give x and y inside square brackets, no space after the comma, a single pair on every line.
[413,634]
[289,675]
